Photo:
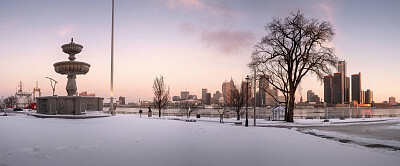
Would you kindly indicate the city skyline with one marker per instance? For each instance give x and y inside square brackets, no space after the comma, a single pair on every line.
[193,44]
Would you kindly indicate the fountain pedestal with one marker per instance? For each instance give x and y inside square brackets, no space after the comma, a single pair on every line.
[70,105]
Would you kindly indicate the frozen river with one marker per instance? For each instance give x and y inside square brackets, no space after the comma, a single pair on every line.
[263,113]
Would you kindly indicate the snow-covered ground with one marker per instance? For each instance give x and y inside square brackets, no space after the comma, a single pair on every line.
[130,140]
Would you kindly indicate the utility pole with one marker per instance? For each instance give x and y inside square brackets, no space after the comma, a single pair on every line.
[112,62]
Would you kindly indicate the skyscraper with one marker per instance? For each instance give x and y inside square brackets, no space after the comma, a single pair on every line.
[263,85]
[347,90]
[369,97]
[328,89]
[345,83]
[226,89]
[338,88]
[208,98]
[203,93]
[356,88]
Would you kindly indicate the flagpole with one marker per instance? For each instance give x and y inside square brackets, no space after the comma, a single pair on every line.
[112,62]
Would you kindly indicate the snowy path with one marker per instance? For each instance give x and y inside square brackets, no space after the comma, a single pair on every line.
[128,140]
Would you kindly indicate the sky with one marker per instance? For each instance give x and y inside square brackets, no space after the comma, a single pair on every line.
[194,44]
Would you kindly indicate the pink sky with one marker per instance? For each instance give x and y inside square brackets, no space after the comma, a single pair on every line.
[194,44]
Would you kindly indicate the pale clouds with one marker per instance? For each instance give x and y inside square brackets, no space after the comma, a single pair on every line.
[209,7]
[226,40]
[326,9]
[66,29]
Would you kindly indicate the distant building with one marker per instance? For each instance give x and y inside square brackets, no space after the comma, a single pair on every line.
[263,86]
[226,89]
[356,94]
[121,100]
[192,97]
[392,100]
[345,81]
[347,91]
[208,99]
[184,95]
[203,93]
[338,88]
[311,97]
[362,97]
[328,89]
[216,96]
[175,98]
[369,97]
[84,93]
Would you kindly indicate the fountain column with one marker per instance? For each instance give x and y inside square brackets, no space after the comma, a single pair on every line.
[71,85]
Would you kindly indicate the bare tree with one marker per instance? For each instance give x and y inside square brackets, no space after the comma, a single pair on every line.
[293,47]
[10,101]
[188,108]
[222,110]
[161,94]
[237,99]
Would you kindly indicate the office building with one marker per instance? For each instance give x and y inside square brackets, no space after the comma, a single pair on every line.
[356,94]
[217,95]
[369,98]
[208,98]
[328,89]
[203,93]
[338,89]
[347,90]
[184,95]
[226,89]
[312,97]
[392,100]
[263,86]
[121,100]
[176,98]
[345,83]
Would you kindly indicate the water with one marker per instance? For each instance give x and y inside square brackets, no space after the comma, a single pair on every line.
[264,113]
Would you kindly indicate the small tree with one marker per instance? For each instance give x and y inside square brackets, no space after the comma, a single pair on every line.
[222,110]
[161,94]
[10,101]
[237,97]
[292,48]
[188,108]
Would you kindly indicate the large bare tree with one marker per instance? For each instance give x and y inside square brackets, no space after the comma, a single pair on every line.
[293,47]
[161,94]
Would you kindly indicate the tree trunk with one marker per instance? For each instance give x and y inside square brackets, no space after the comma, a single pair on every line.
[159,112]
[238,115]
[290,110]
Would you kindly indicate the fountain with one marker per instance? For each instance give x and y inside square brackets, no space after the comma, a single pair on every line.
[70,105]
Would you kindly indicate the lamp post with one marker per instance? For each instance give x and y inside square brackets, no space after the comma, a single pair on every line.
[255,103]
[112,111]
[247,100]
[51,82]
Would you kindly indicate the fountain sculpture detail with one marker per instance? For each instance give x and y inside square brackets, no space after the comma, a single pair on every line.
[70,104]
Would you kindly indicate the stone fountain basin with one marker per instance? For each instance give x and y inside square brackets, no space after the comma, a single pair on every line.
[71,67]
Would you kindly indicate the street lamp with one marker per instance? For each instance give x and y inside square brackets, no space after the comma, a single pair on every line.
[247,99]
[51,82]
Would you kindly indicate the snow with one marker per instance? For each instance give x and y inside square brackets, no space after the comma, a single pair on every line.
[130,140]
